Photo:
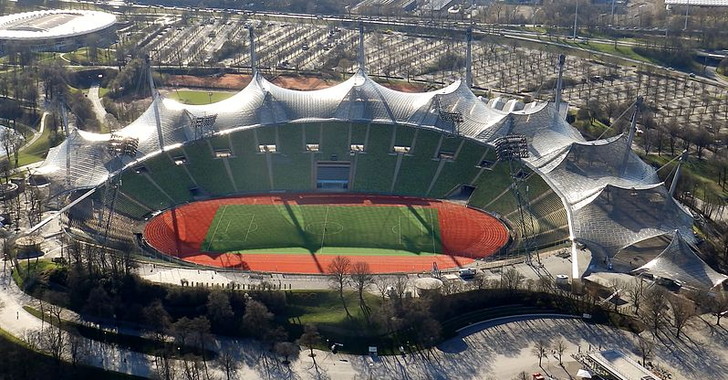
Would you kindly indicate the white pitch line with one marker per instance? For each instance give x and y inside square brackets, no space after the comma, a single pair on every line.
[326,221]
[212,238]
[249,227]
[399,228]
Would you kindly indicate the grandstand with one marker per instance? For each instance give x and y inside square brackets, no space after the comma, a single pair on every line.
[360,137]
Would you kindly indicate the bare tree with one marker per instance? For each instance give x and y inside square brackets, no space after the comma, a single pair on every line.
[286,349]
[654,311]
[718,305]
[683,311]
[539,350]
[219,310]
[164,368]
[560,348]
[511,279]
[361,277]
[192,367]
[636,292]
[227,360]
[338,270]
[78,347]
[309,339]
[157,319]
[257,318]
[646,345]
[49,339]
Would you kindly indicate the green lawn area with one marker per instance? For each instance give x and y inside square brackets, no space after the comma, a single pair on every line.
[198,97]
[80,56]
[36,151]
[702,171]
[400,230]
[324,309]
[324,306]
[33,267]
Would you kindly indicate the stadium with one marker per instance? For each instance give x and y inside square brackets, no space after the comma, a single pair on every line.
[54,30]
[279,180]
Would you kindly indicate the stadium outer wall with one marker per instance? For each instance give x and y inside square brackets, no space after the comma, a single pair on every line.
[466,235]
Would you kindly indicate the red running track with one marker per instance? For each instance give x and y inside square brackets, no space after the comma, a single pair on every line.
[466,235]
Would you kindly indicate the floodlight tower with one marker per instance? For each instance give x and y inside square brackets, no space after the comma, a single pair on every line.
[449,117]
[118,147]
[514,148]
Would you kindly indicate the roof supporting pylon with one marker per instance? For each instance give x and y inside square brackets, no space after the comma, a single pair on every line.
[253,59]
[361,58]
[155,104]
[632,130]
[469,58]
[633,121]
[676,177]
[559,82]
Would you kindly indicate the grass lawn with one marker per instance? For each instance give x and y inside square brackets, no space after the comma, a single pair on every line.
[36,151]
[32,268]
[198,97]
[324,309]
[702,171]
[406,230]
[80,56]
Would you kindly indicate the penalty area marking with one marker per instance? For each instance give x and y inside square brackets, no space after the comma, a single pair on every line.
[212,238]
[397,229]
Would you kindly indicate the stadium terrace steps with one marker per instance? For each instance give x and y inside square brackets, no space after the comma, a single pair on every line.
[335,142]
[461,170]
[293,169]
[208,172]
[137,185]
[375,168]
[171,178]
[125,206]
[419,166]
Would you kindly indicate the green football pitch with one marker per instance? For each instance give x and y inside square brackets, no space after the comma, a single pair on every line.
[252,228]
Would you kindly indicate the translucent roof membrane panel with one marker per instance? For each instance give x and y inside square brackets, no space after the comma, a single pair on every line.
[679,261]
[618,217]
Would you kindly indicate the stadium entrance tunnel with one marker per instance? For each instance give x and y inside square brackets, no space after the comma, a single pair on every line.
[303,233]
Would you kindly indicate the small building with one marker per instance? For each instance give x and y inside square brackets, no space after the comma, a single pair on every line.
[427,286]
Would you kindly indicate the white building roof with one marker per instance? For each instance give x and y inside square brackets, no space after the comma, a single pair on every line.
[705,3]
[51,24]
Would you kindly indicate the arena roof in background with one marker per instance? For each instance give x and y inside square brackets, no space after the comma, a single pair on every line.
[52,24]
[704,3]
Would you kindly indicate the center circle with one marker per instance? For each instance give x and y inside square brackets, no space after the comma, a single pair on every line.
[321,228]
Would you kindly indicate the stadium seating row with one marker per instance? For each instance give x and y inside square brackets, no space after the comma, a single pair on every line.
[283,158]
